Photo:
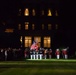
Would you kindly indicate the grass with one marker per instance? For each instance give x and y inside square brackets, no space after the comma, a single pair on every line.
[38,67]
[36,71]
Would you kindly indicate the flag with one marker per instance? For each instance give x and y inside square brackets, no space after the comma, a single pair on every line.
[34,46]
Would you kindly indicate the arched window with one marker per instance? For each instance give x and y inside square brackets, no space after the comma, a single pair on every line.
[42,12]
[26,12]
[56,26]
[56,13]
[42,26]
[28,41]
[38,39]
[49,12]
[26,25]
[33,26]
[33,12]
[19,14]
[47,42]
[19,26]
[21,39]
[49,26]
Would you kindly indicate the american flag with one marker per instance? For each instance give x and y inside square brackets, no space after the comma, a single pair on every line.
[34,46]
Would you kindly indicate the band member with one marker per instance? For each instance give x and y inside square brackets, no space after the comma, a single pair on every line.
[45,54]
[36,50]
[57,53]
[64,53]
[50,53]
[5,54]
[31,54]
[40,53]
[26,53]
[36,54]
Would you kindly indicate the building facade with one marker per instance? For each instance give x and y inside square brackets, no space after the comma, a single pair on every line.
[34,20]
[38,20]
[50,22]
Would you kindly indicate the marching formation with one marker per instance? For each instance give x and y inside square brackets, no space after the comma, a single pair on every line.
[41,53]
[34,52]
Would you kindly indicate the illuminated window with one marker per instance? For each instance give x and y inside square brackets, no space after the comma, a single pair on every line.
[42,12]
[26,12]
[19,26]
[28,41]
[56,26]
[56,13]
[49,13]
[47,42]
[33,12]
[19,14]
[26,25]
[21,39]
[42,26]
[38,39]
[33,26]
[9,30]
[49,26]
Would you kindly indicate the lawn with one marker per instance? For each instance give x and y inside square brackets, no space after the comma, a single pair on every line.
[38,67]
